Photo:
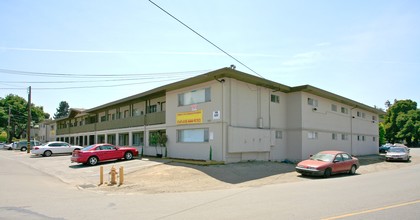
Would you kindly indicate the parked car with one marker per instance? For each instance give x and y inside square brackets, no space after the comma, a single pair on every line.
[8,146]
[384,148]
[398,153]
[54,147]
[326,163]
[93,154]
[23,145]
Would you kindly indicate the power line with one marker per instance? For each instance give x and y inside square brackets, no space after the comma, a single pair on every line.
[74,75]
[89,87]
[204,38]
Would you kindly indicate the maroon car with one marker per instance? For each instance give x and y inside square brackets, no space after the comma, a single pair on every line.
[92,154]
[326,163]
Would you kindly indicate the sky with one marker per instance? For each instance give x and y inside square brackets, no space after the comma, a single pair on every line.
[92,52]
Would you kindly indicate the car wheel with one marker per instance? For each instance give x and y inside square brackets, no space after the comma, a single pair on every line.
[23,149]
[327,172]
[47,153]
[352,170]
[93,161]
[128,156]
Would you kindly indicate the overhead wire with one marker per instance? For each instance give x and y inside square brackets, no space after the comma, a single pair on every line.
[243,64]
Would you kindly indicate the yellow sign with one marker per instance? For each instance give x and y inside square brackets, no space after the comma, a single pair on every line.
[194,117]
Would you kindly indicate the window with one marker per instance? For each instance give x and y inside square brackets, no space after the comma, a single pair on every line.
[103,118]
[137,112]
[312,135]
[113,116]
[123,139]
[151,108]
[313,102]
[333,108]
[361,114]
[334,136]
[193,135]
[194,97]
[138,139]
[344,110]
[344,137]
[112,139]
[346,157]
[360,138]
[126,114]
[275,98]
[374,139]
[338,158]
[373,118]
[279,135]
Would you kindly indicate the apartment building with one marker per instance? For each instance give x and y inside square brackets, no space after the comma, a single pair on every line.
[227,115]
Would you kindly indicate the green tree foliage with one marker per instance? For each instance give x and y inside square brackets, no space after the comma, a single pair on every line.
[382,139]
[62,110]
[19,115]
[402,122]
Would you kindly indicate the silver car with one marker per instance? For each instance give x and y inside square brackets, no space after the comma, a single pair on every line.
[398,153]
[54,147]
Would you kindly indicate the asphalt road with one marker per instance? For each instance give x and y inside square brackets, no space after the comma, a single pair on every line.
[28,192]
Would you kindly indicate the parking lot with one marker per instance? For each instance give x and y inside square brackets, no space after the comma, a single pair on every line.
[153,175]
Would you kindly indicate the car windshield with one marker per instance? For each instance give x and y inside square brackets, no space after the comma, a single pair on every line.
[396,149]
[88,147]
[323,157]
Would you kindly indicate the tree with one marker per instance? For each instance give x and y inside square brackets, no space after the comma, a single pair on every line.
[62,110]
[402,122]
[382,139]
[19,115]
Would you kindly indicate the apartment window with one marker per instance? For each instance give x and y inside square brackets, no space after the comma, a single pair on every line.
[279,135]
[361,114]
[344,137]
[344,110]
[334,136]
[360,138]
[126,114]
[313,102]
[374,139]
[103,118]
[137,112]
[312,135]
[151,108]
[275,98]
[113,116]
[138,139]
[123,139]
[193,135]
[333,108]
[373,118]
[194,97]
[111,139]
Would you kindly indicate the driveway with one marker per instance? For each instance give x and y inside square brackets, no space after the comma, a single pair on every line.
[152,175]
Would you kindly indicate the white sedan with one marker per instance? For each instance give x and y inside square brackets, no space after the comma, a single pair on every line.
[55,147]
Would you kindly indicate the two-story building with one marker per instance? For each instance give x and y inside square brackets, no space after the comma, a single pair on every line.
[227,115]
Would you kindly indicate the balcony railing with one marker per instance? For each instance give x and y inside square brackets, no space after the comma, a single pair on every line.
[135,121]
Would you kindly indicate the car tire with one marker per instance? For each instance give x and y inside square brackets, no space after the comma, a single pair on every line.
[352,170]
[23,149]
[92,161]
[128,155]
[327,172]
[47,153]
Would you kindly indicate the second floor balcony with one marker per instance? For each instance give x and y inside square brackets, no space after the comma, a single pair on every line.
[134,121]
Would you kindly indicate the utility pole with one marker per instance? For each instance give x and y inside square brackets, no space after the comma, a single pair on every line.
[8,124]
[28,129]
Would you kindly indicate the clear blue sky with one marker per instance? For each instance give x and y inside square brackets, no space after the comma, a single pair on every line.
[365,50]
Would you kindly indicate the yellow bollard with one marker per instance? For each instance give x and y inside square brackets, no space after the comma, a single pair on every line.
[113,174]
[121,175]
[101,175]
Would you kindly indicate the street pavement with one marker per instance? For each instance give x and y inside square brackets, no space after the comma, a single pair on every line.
[28,190]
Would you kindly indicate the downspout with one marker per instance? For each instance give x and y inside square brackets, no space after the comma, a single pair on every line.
[222,112]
